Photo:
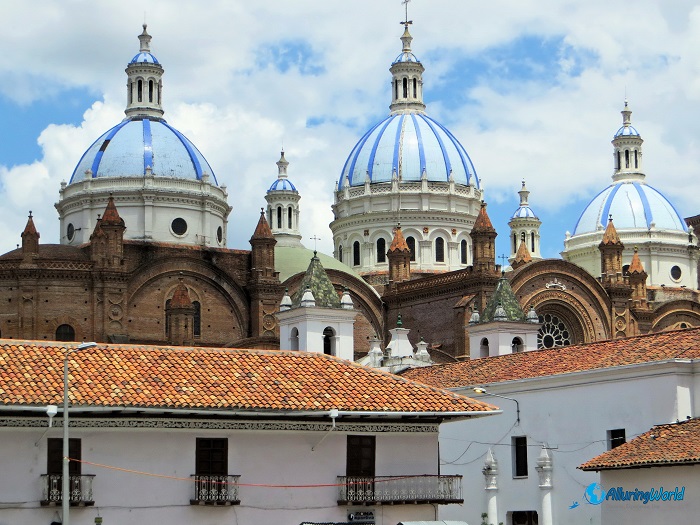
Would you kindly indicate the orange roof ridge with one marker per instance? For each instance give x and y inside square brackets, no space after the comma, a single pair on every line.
[610,236]
[398,244]
[482,222]
[262,230]
[636,264]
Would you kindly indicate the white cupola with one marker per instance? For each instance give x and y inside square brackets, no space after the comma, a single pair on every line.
[283,207]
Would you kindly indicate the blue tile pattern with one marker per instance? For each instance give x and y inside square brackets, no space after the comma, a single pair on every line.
[144,57]
[282,185]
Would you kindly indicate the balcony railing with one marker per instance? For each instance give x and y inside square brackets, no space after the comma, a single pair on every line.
[399,489]
[80,488]
[215,490]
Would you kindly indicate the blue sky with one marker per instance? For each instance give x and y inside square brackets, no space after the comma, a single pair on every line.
[532,89]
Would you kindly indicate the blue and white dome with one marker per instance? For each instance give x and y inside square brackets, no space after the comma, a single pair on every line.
[524,212]
[282,185]
[627,131]
[408,144]
[632,205]
[135,145]
[144,57]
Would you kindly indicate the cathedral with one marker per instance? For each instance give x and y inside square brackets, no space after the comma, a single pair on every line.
[143,256]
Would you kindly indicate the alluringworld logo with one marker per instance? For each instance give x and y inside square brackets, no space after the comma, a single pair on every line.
[595,494]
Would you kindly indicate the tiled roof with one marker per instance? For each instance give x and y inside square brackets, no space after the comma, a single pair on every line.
[636,264]
[523,254]
[31,373]
[663,445]
[610,236]
[181,296]
[111,215]
[503,296]
[676,344]
[316,279]
[262,230]
[30,229]
[398,244]
[482,222]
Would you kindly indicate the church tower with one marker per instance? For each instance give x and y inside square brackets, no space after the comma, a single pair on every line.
[283,208]
[524,229]
[144,81]
[483,236]
[30,240]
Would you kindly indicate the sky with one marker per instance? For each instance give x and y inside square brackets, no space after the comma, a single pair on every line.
[533,90]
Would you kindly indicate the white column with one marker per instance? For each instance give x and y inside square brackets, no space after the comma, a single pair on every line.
[490,472]
[544,469]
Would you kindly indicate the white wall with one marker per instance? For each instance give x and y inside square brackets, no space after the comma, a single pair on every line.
[281,457]
[571,413]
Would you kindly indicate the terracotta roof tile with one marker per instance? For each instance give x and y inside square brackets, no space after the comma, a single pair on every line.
[181,297]
[636,264]
[663,445]
[111,215]
[482,222]
[398,244]
[523,255]
[262,230]
[676,344]
[31,373]
[30,228]
[610,236]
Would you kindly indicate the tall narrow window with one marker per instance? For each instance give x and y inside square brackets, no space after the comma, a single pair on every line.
[269,216]
[150,90]
[65,332]
[411,243]
[167,318]
[211,457]
[616,437]
[360,457]
[289,217]
[197,328]
[340,253]
[618,162]
[294,339]
[484,348]
[54,470]
[131,92]
[519,446]
[463,251]
[328,341]
[140,90]
[381,250]
[636,159]
[356,253]
[279,217]
[439,249]
[396,89]
[532,241]
[415,90]
[405,88]
[515,243]
[627,158]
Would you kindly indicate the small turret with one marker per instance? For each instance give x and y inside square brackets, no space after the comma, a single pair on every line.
[30,239]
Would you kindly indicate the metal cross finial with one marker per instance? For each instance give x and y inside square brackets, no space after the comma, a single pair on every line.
[503,259]
[315,239]
[406,21]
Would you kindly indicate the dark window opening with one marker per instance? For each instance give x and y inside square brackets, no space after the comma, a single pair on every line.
[294,339]
[179,226]
[636,159]
[516,345]
[167,318]
[519,445]
[65,332]
[279,217]
[405,88]
[381,250]
[328,341]
[340,253]
[131,92]
[289,217]
[515,243]
[524,517]
[463,251]
[484,348]
[197,324]
[54,456]
[411,243]
[616,437]
[140,90]
[360,457]
[269,217]
[532,241]
[396,89]
[439,249]
[211,457]
[219,234]
[415,90]
[356,253]
[618,163]
[627,158]
[70,232]
[676,273]
[150,91]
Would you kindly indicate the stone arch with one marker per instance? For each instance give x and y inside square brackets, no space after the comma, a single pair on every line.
[54,323]
[673,314]
[563,289]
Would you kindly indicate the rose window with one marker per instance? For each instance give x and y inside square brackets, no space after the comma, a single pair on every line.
[553,332]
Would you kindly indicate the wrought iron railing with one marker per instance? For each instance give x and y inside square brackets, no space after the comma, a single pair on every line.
[215,490]
[399,489]
[80,489]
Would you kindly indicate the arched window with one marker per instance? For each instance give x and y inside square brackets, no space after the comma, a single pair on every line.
[618,162]
[515,243]
[279,217]
[381,250]
[396,89]
[439,249]
[269,216]
[405,88]
[131,92]
[532,241]
[627,158]
[340,253]
[463,251]
[289,217]
[294,339]
[329,341]
[197,324]
[516,345]
[150,90]
[522,236]
[636,159]
[411,243]
[140,90]
[356,253]
[65,332]
[484,348]
[415,90]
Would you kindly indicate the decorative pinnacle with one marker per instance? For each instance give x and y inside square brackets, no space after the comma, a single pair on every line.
[145,40]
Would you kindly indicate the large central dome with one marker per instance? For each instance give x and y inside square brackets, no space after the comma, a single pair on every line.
[408,168]
[408,145]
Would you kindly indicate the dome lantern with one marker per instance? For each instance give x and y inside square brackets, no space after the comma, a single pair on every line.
[144,82]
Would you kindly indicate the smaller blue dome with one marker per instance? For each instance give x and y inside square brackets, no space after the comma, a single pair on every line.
[282,185]
[406,56]
[627,131]
[144,57]
[524,212]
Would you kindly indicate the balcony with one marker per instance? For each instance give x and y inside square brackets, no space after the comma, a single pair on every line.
[393,490]
[80,490]
[215,490]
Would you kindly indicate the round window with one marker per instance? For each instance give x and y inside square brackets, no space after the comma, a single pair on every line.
[179,226]
[676,273]
[219,234]
[70,232]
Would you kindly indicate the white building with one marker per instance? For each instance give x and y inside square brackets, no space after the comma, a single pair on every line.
[180,435]
[562,407]
[652,479]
